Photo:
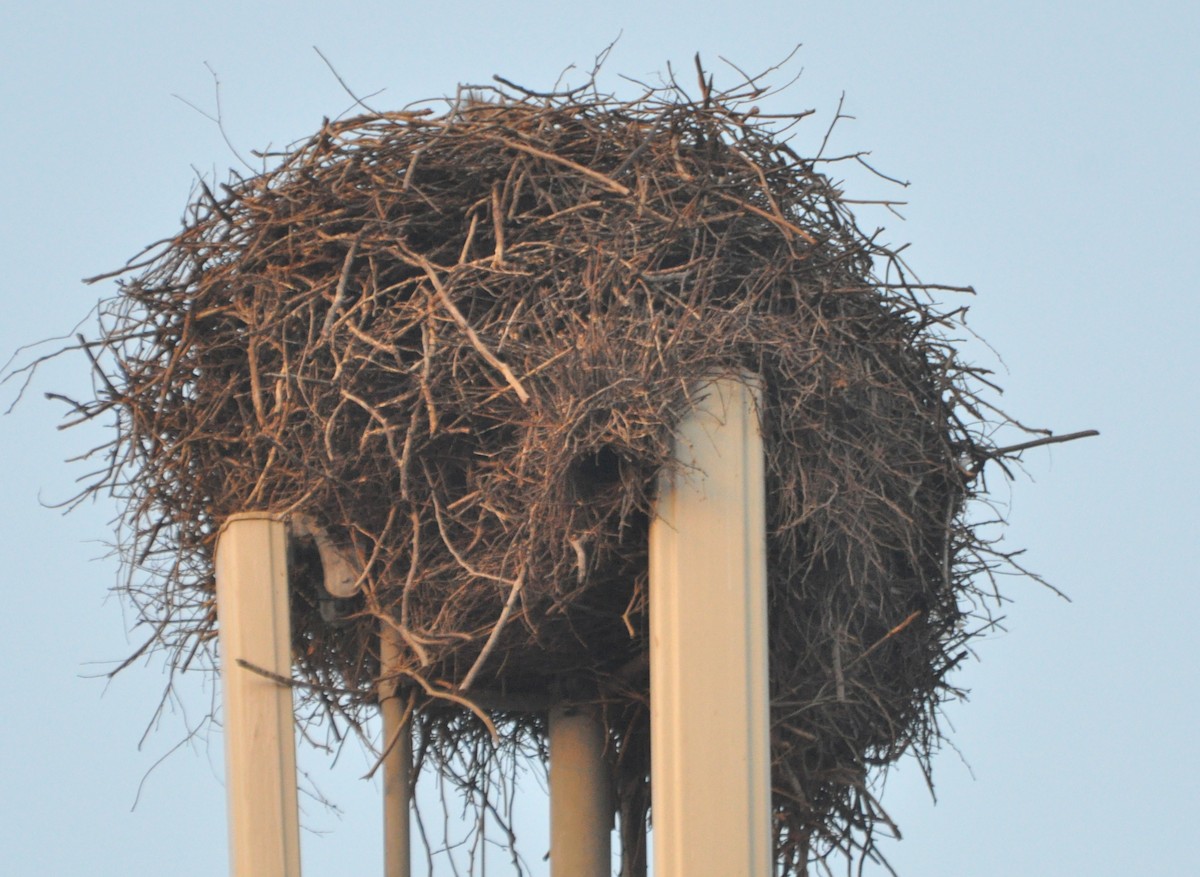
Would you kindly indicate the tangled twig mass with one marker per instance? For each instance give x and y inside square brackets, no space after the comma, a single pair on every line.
[458,345]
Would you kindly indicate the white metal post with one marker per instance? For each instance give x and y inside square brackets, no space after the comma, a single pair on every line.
[397,761]
[260,744]
[581,805]
[709,705]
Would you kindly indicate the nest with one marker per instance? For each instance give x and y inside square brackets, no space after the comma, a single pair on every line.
[460,343]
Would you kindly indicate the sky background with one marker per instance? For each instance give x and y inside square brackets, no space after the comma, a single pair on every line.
[1052,155]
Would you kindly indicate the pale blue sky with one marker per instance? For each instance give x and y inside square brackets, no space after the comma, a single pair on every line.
[1053,159]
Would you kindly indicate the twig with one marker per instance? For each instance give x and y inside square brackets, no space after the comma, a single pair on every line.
[454,698]
[1036,443]
[771,217]
[354,97]
[289,682]
[341,287]
[488,646]
[219,118]
[479,346]
[887,636]
[607,181]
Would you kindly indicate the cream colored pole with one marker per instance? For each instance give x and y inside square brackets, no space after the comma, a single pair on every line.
[710,744]
[260,743]
[397,761]
[581,806]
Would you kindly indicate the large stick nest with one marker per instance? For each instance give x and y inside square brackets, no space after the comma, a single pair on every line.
[460,343]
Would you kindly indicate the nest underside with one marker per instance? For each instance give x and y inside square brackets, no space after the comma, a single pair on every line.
[461,344]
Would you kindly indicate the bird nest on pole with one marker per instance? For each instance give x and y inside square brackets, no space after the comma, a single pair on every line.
[457,346]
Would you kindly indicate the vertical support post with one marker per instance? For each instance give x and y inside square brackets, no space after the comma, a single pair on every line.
[581,806]
[397,760]
[709,704]
[260,743]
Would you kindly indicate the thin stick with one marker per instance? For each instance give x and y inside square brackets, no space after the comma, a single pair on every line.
[498,223]
[887,636]
[341,288]
[1036,443]
[778,220]
[495,634]
[454,698]
[607,181]
[479,346]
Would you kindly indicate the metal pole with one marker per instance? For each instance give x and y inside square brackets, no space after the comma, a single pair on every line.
[581,806]
[260,744]
[397,761]
[710,744]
